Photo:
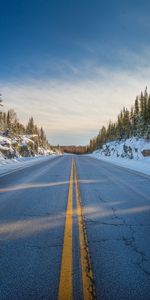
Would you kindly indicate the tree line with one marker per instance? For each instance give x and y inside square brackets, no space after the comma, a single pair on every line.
[74,149]
[12,128]
[134,122]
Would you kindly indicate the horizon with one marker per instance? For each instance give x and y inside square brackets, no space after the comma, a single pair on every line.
[73,66]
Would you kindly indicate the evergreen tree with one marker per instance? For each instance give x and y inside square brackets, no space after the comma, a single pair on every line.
[30,126]
[133,122]
[1,100]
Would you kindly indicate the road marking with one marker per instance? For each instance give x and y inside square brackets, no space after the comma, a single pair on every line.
[65,284]
[66,279]
[87,273]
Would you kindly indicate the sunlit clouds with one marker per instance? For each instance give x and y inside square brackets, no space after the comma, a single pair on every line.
[73,107]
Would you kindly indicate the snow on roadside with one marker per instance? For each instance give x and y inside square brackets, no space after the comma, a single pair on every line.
[128,154]
[10,165]
[11,159]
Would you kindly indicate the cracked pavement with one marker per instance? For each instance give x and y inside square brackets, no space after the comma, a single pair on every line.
[116,213]
[32,221]
[117,220]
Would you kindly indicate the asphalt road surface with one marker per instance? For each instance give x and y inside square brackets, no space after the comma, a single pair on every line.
[74,227]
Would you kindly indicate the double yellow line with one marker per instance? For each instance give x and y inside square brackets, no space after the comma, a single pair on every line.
[66,273]
[65,284]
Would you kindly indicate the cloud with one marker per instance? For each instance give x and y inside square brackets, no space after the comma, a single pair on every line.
[73,108]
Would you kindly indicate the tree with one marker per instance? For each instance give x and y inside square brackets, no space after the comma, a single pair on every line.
[30,126]
[1,120]
[12,122]
[133,122]
[1,100]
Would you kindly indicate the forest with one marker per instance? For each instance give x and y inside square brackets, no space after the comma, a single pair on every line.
[30,140]
[133,122]
[18,139]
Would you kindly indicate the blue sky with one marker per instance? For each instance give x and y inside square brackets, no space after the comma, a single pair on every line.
[57,59]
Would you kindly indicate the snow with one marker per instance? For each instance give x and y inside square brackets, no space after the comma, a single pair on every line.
[8,166]
[4,147]
[26,140]
[126,153]
[4,140]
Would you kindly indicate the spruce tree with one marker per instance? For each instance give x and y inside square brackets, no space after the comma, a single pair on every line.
[1,100]
[30,126]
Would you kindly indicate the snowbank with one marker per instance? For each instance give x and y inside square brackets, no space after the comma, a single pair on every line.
[8,166]
[126,153]
[22,146]
[11,159]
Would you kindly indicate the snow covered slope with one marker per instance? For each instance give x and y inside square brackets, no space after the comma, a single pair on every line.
[8,166]
[11,159]
[22,146]
[132,153]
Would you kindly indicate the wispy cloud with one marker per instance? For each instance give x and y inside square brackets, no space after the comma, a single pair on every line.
[73,108]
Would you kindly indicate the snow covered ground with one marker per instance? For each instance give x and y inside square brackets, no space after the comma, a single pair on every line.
[10,158]
[128,154]
[20,147]
[10,165]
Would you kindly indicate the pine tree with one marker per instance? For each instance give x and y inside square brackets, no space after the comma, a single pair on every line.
[30,126]
[145,103]
[11,122]
[135,122]
[136,116]
[148,110]
[1,119]
[1,100]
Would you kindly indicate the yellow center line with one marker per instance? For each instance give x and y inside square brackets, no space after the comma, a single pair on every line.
[65,284]
[66,273]
[87,273]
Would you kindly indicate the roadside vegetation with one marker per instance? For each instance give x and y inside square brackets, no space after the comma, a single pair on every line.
[130,123]
[18,140]
[74,149]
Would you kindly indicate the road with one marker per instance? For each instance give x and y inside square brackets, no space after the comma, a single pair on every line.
[74,227]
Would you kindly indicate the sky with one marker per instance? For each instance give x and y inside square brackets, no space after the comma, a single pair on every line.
[73,64]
